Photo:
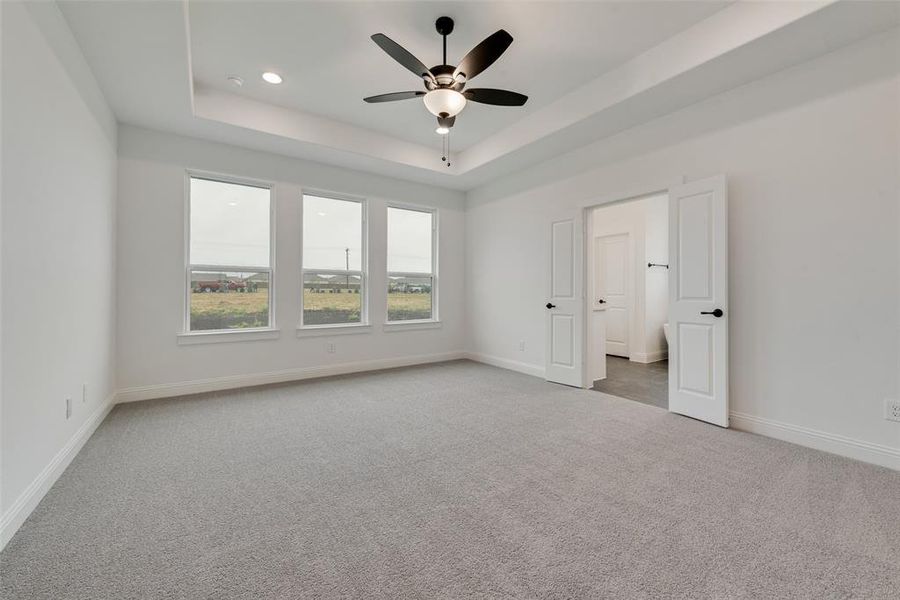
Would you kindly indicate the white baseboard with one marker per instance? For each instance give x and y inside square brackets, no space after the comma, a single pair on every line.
[28,500]
[214,384]
[877,454]
[505,363]
[649,357]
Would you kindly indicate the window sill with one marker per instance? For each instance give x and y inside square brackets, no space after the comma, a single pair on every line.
[324,330]
[412,325]
[236,335]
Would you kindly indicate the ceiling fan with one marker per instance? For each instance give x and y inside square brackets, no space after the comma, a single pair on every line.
[445,95]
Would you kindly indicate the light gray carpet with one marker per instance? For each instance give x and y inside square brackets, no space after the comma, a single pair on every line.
[454,480]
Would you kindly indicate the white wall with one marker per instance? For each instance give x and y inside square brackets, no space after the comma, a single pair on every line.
[58,272]
[813,227]
[151,248]
[656,279]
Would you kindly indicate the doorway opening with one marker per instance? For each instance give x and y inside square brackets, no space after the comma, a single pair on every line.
[697,290]
[628,287]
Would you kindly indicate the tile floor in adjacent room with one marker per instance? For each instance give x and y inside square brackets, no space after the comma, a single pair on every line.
[647,383]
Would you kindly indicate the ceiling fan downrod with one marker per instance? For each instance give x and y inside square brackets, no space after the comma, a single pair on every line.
[444,26]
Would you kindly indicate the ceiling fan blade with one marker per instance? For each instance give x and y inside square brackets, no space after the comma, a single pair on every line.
[402,56]
[393,96]
[483,55]
[498,97]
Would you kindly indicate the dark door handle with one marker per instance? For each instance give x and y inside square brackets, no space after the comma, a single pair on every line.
[601,301]
[551,305]
[716,313]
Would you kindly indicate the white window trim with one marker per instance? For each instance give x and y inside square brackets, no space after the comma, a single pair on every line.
[363,326]
[434,322]
[336,329]
[227,335]
[411,325]
[187,336]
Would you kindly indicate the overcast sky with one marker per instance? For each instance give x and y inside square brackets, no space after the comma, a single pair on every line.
[230,226]
[409,241]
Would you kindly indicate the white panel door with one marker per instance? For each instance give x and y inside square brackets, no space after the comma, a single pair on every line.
[613,270]
[698,300]
[565,318]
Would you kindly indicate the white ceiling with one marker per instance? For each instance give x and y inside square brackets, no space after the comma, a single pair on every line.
[329,63]
[592,70]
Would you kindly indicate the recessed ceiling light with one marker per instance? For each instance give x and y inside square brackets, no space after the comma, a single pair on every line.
[235,80]
[272,77]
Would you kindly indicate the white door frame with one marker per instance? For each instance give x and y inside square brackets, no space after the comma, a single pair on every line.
[588,205]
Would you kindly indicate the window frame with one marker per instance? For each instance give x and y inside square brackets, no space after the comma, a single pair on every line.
[435,288]
[328,328]
[190,336]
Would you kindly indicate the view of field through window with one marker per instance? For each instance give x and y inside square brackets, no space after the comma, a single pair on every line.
[409,298]
[333,283]
[331,298]
[229,300]
[229,256]
[230,276]
[410,269]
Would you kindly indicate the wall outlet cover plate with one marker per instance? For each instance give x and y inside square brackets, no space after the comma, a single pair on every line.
[892,409]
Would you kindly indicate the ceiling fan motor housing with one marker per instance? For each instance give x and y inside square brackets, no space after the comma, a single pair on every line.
[443,74]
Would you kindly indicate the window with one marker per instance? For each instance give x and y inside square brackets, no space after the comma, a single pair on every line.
[229,271]
[334,261]
[410,261]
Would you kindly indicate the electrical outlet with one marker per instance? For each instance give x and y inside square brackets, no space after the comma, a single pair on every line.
[329,348]
[83,393]
[892,409]
[521,346]
[68,408]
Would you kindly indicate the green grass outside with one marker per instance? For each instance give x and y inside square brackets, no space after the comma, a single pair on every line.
[229,310]
[235,310]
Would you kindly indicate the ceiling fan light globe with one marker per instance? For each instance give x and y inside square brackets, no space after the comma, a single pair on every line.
[447,101]
[441,130]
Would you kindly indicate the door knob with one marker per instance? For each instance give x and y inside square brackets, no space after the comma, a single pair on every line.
[601,301]
[716,313]
[551,305]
